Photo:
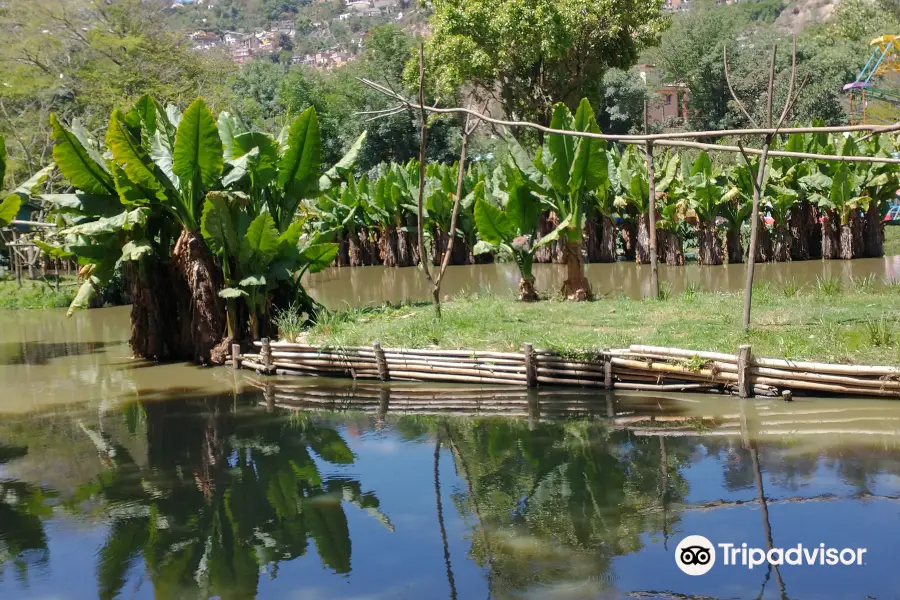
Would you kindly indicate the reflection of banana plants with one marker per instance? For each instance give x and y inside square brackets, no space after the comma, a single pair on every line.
[513,228]
[580,496]
[255,499]
[565,173]
[23,507]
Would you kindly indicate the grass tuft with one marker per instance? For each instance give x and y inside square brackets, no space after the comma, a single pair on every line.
[828,286]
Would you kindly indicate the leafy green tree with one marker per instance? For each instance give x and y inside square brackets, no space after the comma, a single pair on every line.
[538,52]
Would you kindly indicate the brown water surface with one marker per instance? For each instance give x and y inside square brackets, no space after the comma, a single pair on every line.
[339,287]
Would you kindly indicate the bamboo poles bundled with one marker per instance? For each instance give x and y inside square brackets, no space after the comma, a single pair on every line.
[638,367]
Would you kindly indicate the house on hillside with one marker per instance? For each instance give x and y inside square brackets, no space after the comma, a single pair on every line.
[672,97]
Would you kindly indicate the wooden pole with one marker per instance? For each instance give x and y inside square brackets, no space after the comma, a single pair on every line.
[654,261]
[743,364]
[383,372]
[530,366]
[266,355]
[607,373]
[235,356]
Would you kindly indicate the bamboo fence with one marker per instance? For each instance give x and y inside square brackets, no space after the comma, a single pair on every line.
[644,368]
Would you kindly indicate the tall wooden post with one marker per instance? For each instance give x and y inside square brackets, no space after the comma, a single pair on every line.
[235,356]
[381,361]
[530,367]
[651,213]
[745,390]
[266,355]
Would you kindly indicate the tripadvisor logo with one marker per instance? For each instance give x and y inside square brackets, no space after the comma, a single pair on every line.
[696,555]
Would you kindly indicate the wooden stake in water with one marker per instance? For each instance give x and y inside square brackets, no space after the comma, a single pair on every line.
[530,366]
[743,371]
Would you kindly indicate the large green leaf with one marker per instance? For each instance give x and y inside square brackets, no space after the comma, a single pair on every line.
[198,147]
[9,208]
[560,149]
[589,166]
[319,256]
[83,167]
[260,244]
[522,208]
[133,159]
[228,130]
[217,227]
[334,174]
[493,225]
[53,251]
[298,168]
[85,204]
[126,220]
[135,249]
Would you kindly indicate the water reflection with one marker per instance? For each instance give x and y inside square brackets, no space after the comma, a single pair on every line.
[358,286]
[483,492]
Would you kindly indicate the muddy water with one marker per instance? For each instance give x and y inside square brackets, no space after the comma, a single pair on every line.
[361,286]
[120,479]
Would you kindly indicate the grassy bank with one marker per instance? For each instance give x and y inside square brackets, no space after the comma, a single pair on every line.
[34,294]
[855,323]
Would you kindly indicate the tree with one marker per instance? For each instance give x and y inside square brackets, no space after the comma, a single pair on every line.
[532,54]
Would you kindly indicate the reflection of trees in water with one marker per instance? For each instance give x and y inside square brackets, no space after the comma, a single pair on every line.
[23,542]
[555,503]
[228,493]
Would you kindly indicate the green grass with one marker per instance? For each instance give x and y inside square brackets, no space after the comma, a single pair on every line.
[892,240]
[850,324]
[34,294]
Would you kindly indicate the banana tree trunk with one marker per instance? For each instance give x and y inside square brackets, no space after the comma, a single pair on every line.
[782,243]
[763,242]
[354,251]
[874,230]
[576,285]
[709,246]
[404,257]
[831,235]
[460,253]
[387,247]
[670,248]
[629,234]
[642,245]
[734,248]
[852,245]
[527,293]
[199,280]
[343,257]
[593,231]
[412,244]
[370,242]
[155,320]
[802,221]
[542,254]
[607,239]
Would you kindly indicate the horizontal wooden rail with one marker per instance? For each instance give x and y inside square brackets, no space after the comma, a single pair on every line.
[638,367]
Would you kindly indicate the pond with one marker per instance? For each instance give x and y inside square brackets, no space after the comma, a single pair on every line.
[338,287]
[120,479]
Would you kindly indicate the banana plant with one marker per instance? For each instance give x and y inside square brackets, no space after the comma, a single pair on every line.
[565,172]
[635,191]
[278,174]
[512,226]
[707,191]
[671,204]
[257,258]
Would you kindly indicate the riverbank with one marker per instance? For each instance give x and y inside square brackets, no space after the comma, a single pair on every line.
[831,321]
[36,294]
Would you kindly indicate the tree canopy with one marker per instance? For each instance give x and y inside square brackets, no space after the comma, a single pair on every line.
[531,54]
